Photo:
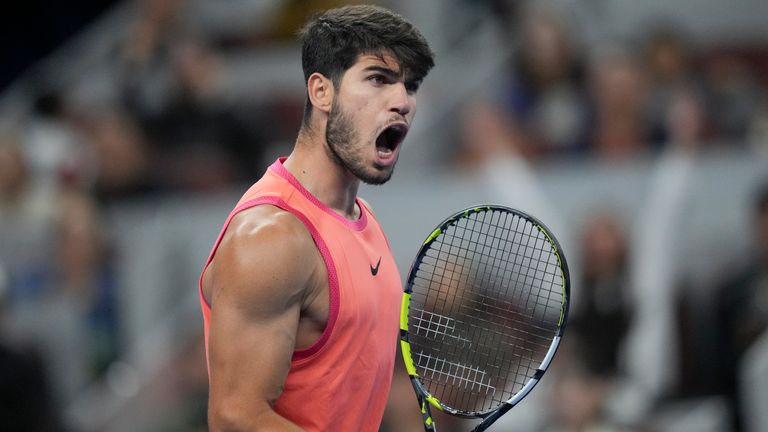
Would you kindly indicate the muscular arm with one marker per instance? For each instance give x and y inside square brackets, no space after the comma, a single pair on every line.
[264,274]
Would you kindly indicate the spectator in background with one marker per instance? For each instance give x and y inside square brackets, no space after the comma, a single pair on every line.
[85,279]
[26,400]
[733,95]
[618,92]
[685,119]
[120,163]
[601,318]
[742,307]
[589,367]
[201,138]
[50,141]
[145,56]
[758,128]
[541,110]
[70,312]
[484,134]
[174,81]
[98,149]
[669,59]
[27,212]
[545,97]
[58,294]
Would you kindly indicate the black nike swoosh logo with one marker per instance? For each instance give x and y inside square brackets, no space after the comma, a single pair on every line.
[375,270]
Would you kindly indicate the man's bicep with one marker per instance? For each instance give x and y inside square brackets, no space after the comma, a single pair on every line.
[257,291]
[249,357]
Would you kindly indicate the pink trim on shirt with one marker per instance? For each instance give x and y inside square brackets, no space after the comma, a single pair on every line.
[357,225]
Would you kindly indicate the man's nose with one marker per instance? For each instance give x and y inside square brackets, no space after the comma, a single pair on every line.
[401,100]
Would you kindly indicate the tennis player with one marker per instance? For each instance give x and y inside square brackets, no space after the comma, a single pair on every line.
[300,294]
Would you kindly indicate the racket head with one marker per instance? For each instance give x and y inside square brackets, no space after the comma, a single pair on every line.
[484,308]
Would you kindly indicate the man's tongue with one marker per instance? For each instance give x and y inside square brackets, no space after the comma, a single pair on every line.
[382,147]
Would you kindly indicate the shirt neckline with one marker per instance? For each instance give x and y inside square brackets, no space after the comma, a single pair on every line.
[357,225]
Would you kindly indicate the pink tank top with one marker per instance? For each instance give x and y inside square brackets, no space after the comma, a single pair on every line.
[341,382]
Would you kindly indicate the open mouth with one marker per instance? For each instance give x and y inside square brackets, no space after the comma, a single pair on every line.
[390,138]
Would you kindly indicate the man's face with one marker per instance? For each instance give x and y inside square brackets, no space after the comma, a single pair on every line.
[370,116]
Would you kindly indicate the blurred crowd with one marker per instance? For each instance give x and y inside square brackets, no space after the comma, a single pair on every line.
[170,123]
[645,337]
[162,127]
[616,98]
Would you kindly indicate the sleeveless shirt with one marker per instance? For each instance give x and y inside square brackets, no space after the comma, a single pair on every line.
[342,381]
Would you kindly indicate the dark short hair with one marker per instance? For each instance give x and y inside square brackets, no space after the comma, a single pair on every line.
[333,40]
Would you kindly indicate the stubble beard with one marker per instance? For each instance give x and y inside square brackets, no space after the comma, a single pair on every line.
[342,139]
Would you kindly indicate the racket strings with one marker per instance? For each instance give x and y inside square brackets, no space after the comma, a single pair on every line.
[485,307]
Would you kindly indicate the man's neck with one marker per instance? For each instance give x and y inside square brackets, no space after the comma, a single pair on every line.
[318,172]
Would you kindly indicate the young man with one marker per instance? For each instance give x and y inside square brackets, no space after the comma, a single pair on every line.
[301,294]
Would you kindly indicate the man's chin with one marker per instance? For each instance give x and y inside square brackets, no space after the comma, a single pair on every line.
[378,176]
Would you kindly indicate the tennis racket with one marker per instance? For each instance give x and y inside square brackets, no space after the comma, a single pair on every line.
[484,309]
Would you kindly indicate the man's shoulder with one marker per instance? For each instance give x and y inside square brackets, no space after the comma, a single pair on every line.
[266,251]
[267,226]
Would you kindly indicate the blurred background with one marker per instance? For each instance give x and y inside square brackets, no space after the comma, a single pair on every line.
[636,130]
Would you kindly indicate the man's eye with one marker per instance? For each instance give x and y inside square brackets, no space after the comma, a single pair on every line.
[378,79]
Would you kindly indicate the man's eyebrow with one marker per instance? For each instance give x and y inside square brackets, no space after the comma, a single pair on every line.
[390,73]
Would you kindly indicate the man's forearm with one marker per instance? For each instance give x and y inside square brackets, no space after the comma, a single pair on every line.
[238,420]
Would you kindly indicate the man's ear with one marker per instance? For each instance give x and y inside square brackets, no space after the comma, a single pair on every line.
[320,90]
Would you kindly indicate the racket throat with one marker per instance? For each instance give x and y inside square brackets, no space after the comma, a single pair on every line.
[488,421]
[426,414]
